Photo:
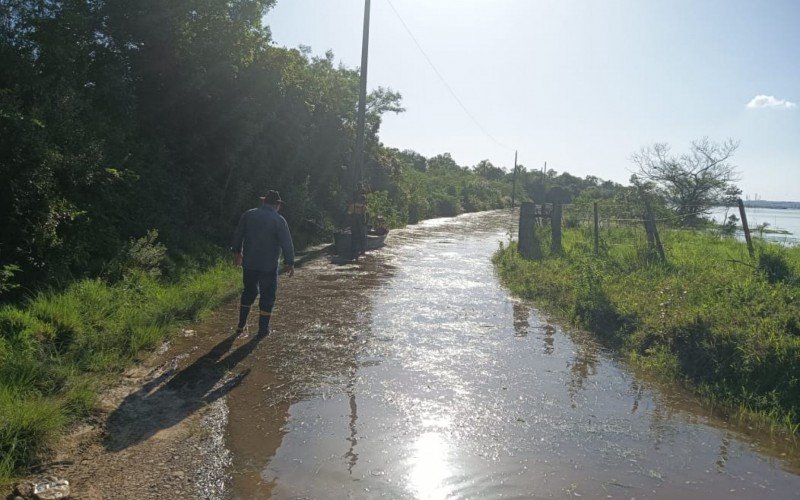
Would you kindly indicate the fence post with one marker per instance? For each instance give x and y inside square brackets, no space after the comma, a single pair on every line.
[528,246]
[555,225]
[746,229]
[596,230]
[653,240]
[659,246]
[514,182]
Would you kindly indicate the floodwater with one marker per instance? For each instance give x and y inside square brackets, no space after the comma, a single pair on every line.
[786,221]
[414,374]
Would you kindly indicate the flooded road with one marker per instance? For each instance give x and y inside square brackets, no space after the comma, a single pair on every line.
[414,374]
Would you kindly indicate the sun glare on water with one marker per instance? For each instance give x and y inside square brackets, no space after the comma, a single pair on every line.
[430,466]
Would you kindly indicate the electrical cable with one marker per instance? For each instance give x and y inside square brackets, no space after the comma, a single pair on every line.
[444,82]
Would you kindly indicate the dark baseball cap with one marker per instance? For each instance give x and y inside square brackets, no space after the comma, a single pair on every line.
[272,198]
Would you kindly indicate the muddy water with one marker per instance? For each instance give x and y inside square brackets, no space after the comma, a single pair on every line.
[414,374]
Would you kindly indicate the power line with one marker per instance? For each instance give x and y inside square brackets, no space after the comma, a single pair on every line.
[444,82]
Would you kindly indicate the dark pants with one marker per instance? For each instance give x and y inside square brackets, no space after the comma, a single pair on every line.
[265,285]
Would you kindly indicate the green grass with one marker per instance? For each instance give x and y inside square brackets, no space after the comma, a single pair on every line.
[710,317]
[59,349]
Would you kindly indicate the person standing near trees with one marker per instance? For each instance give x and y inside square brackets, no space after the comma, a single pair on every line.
[357,215]
[260,237]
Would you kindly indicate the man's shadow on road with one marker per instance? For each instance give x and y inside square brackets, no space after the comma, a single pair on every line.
[164,402]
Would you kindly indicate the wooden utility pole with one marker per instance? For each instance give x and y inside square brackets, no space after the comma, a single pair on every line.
[596,229]
[358,154]
[746,229]
[514,182]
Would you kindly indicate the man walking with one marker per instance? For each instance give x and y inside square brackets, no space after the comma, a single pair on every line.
[357,215]
[260,237]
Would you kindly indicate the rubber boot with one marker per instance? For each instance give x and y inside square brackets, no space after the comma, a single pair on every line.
[243,313]
[263,323]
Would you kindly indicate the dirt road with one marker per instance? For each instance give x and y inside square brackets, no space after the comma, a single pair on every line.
[414,374]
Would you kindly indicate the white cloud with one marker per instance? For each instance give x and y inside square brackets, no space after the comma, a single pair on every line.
[768,101]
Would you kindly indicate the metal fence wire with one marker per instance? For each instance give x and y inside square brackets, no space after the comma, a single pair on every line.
[611,224]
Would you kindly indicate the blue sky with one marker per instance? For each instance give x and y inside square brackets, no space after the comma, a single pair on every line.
[581,84]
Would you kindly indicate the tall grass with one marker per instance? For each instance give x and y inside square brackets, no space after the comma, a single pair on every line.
[58,349]
[720,322]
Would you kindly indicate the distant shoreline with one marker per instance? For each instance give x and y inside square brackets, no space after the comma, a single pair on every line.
[780,205]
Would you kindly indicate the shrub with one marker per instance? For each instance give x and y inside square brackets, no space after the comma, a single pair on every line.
[143,254]
[380,205]
[730,225]
[447,205]
[7,284]
[772,262]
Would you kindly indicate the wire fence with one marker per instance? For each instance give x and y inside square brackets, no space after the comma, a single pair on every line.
[612,224]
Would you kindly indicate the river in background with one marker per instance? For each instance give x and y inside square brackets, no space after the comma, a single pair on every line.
[776,219]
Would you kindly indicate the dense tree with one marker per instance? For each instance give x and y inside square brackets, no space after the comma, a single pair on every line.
[443,162]
[414,159]
[693,182]
[487,170]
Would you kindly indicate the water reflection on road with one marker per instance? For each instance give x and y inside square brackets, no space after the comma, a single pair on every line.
[414,374]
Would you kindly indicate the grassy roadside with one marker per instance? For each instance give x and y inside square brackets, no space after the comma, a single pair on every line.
[710,318]
[60,349]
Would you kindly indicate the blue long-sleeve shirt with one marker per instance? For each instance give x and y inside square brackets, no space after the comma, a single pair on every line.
[261,235]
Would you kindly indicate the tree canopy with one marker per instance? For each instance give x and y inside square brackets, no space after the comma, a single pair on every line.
[692,182]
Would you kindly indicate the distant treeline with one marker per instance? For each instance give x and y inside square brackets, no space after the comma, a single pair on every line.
[779,205]
[118,118]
